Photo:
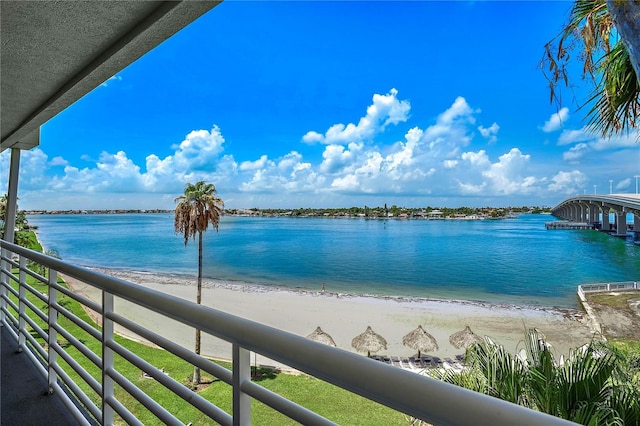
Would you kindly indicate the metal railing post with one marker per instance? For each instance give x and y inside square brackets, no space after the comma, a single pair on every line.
[4,283]
[22,292]
[52,334]
[107,358]
[241,374]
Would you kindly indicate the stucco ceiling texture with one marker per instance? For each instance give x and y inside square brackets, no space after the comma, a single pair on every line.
[55,52]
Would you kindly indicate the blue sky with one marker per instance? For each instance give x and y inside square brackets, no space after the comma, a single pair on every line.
[333,104]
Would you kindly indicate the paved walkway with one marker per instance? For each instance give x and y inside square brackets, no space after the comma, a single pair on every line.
[23,397]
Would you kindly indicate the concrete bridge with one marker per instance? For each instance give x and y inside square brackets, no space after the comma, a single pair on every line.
[594,209]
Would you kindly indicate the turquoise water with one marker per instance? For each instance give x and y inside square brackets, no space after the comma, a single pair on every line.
[507,261]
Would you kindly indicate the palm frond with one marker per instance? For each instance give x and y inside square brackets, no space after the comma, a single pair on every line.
[615,103]
[197,208]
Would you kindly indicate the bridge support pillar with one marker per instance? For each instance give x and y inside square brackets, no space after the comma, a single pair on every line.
[594,214]
[605,219]
[574,213]
[584,212]
[621,223]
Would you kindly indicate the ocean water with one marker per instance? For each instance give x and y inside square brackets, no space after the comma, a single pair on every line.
[502,261]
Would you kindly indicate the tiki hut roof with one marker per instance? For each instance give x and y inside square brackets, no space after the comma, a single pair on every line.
[420,340]
[320,336]
[465,338]
[369,341]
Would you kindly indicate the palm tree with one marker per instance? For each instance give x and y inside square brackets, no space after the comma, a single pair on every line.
[606,32]
[198,207]
[591,386]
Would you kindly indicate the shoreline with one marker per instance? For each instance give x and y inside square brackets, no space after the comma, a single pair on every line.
[344,316]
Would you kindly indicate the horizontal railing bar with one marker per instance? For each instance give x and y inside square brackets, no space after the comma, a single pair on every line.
[177,388]
[79,393]
[13,291]
[26,350]
[35,292]
[88,378]
[36,346]
[10,325]
[122,411]
[34,342]
[10,303]
[10,261]
[93,357]
[376,381]
[36,327]
[10,275]
[36,276]
[216,370]
[44,317]
[78,297]
[283,405]
[78,321]
[158,410]
[75,411]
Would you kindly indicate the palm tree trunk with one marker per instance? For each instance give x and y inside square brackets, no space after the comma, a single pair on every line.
[625,18]
[196,370]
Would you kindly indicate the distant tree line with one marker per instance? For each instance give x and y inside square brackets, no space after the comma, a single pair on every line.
[392,211]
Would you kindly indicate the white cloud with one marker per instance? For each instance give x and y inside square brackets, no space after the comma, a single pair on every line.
[587,142]
[504,177]
[568,137]
[568,182]
[556,120]
[576,152]
[623,184]
[111,79]
[261,163]
[58,161]
[312,137]
[336,158]
[385,110]
[441,159]
[490,132]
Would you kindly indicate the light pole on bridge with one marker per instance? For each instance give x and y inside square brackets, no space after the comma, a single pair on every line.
[610,186]
[594,189]
[636,176]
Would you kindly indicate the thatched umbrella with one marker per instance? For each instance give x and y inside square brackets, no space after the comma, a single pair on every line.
[464,338]
[369,341]
[420,340]
[320,336]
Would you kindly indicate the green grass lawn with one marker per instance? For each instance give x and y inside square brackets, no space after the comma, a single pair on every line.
[330,401]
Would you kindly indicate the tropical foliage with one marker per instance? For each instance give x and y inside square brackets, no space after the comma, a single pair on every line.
[591,386]
[615,101]
[22,228]
[197,208]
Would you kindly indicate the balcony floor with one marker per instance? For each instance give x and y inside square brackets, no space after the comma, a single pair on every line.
[23,397]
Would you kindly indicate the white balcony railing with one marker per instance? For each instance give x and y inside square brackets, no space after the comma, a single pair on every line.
[404,391]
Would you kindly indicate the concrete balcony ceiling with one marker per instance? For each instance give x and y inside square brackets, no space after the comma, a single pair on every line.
[55,52]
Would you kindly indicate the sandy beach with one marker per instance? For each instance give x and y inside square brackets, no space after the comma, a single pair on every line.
[345,316]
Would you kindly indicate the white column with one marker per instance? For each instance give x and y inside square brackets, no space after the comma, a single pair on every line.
[241,374]
[107,358]
[12,196]
[53,334]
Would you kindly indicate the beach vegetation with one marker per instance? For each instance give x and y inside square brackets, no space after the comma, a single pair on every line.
[328,400]
[197,208]
[593,385]
[604,34]
[22,236]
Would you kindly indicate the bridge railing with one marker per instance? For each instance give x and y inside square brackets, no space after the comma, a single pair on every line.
[84,364]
